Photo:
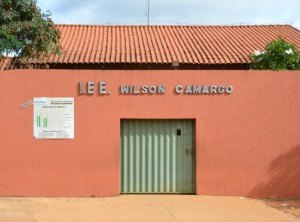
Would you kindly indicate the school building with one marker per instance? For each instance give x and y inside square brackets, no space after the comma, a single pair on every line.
[151,109]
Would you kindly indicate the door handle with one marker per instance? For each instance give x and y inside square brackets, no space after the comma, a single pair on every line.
[189,151]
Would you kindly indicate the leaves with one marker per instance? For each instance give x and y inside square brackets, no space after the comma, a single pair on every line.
[277,55]
[25,31]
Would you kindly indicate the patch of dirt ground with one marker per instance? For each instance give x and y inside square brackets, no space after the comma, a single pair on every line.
[291,206]
[193,208]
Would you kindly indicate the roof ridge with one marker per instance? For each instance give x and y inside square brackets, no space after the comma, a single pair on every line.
[297,29]
[179,25]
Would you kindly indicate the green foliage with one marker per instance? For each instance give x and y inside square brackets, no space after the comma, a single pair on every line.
[278,55]
[25,31]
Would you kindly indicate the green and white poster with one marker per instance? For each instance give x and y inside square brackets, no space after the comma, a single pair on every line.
[53,118]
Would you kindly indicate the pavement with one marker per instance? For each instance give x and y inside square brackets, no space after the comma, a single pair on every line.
[140,208]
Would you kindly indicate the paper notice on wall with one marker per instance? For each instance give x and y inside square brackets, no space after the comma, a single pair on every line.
[53,118]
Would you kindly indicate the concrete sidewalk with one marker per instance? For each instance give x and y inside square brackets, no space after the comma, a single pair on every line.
[139,208]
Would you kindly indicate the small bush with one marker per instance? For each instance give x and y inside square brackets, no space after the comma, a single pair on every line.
[277,55]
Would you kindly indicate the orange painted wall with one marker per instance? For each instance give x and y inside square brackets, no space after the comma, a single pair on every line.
[247,143]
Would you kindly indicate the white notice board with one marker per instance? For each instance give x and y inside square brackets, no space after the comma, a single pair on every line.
[53,118]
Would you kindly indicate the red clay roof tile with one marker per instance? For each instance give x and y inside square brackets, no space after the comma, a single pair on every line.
[94,44]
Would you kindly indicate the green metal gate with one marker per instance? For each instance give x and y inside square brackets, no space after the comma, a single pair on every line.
[157,156]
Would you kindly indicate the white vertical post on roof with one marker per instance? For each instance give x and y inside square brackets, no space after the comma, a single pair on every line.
[148,13]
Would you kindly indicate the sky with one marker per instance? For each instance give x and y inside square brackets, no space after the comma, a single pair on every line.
[172,12]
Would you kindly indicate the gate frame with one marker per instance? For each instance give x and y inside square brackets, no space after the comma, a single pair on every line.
[194,120]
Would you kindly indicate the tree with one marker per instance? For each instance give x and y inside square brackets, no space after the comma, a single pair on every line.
[25,31]
[277,55]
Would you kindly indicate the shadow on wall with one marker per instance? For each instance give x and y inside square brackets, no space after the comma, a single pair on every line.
[284,172]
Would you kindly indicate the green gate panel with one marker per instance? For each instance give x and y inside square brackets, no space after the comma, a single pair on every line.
[157,156]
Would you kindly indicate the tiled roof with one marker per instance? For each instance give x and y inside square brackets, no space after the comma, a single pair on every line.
[93,44]
[5,63]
